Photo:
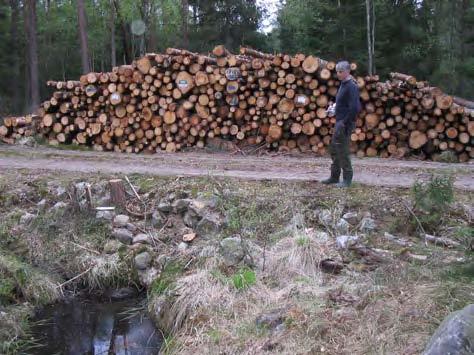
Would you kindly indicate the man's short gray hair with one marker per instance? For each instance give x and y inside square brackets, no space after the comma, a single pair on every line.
[343,66]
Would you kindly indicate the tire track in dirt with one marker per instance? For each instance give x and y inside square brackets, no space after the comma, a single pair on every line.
[373,171]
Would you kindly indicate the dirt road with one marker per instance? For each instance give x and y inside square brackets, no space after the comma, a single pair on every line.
[373,171]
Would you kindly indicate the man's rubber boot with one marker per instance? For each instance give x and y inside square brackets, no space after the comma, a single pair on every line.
[330,181]
[334,179]
[346,180]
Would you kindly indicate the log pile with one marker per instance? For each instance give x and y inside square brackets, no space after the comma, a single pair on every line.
[180,99]
[13,128]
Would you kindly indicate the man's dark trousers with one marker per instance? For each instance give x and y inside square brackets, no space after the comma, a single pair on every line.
[340,155]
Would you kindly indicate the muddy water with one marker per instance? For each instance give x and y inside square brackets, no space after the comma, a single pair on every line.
[84,327]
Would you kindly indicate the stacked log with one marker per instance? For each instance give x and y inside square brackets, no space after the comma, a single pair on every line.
[179,99]
[13,128]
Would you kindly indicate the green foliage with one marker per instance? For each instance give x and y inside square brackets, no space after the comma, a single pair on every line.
[29,283]
[466,235]
[167,278]
[244,278]
[7,291]
[430,39]
[431,200]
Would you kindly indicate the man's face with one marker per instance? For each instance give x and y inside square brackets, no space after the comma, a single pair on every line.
[342,74]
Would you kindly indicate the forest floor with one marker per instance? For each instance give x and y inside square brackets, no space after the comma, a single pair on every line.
[255,279]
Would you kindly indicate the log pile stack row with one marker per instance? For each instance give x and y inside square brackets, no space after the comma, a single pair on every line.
[13,128]
[180,99]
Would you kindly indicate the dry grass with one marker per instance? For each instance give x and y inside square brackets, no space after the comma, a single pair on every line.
[391,310]
[31,284]
[104,271]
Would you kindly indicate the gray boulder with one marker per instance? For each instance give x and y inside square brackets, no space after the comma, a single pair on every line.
[142,238]
[455,335]
[233,250]
[106,215]
[183,246]
[42,204]
[342,226]
[191,219]
[123,235]
[143,261]
[209,226]
[164,206]
[121,220]
[350,217]
[157,219]
[325,217]
[121,293]
[147,276]
[131,227]
[181,206]
[367,225]
[345,241]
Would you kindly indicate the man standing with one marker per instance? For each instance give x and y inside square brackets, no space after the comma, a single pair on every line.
[347,108]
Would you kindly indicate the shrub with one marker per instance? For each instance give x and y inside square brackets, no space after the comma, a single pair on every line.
[431,200]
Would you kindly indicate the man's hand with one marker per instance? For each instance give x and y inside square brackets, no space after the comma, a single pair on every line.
[331,110]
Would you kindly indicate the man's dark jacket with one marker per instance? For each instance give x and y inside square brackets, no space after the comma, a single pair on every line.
[347,106]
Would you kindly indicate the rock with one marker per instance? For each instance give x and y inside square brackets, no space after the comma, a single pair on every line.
[59,206]
[232,250]
[157,219]
[325,217]
[56,190]
[297,221]
[121,294]
[143,260]
[272,319]
[112,246]
[160,311]
[164,206]
[367,225]
[131,227]
[455,335]
[42,204]
[203,205]
[181,206]
[27,218]
[146,277]
[123,235]
[191,219]
[183,246]
[321,236]
[121,220]
[211,201]
[142,239]
[342,226]
[107,215]
[351,217]
[209,226]
[345,241]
